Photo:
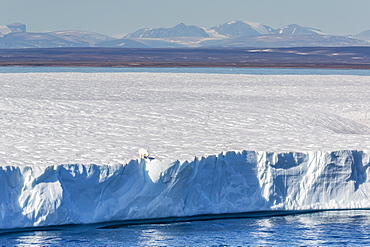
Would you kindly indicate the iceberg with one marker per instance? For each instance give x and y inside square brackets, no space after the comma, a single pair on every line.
[227,183]
[69,142]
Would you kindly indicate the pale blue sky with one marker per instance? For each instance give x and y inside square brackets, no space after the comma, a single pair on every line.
[339,17]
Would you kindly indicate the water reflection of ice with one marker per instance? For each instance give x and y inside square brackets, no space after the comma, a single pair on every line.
[316,229]
[41,238]
[264,232]
[330,227]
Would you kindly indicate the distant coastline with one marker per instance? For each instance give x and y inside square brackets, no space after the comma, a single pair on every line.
[293,57]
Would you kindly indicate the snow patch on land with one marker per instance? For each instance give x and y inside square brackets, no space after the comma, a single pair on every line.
[259,27]
[213,33]
[317,31]
[4,30]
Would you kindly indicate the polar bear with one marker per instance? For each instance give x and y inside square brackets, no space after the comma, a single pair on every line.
[143,153]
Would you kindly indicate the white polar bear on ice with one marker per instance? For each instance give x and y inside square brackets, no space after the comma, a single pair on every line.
[143,153]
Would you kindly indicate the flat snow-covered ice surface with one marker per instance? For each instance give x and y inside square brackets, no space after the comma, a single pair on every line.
[104,118]
[69,142]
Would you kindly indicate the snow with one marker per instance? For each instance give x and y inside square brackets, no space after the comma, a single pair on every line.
[317,31]
[213,34]
[259,27]
[4,30]
[230,182]
[69,143]
[231,22]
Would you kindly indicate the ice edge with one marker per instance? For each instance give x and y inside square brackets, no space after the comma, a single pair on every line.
[225,184]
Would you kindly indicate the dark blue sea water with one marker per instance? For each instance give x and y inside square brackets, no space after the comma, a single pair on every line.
[331,228]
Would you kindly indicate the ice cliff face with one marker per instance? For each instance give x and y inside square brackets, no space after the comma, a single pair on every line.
[230,182]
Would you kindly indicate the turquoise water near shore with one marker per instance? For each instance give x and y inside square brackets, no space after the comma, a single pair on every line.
[250,71]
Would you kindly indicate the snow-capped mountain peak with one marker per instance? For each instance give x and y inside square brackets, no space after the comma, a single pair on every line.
[365,35]
[180,30]
[12,28]
[242,28]
[81,36]
[259,27]
[297,29]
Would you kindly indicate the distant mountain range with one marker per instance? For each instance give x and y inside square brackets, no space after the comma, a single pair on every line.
[230,34]
[180,30]
[365,35]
